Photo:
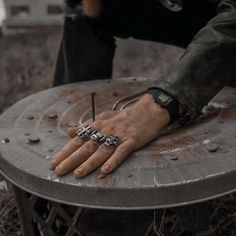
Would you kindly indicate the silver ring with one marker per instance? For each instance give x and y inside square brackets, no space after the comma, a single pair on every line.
[85,132]
[111,141]
[98,137]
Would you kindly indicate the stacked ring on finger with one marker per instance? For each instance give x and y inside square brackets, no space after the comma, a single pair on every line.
[85,132]
[98,137]
[112,141]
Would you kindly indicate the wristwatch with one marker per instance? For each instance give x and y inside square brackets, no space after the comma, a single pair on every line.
[164,100]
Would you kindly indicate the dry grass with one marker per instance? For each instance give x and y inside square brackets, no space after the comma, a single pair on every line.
[9,220]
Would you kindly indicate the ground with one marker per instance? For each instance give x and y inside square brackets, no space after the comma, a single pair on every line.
[27,66]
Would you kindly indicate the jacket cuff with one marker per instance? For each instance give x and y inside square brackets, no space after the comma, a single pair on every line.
[191,112]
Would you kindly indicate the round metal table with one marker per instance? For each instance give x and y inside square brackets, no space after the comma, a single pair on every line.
[184,165]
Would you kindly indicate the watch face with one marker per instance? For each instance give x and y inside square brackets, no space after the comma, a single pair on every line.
[164,98]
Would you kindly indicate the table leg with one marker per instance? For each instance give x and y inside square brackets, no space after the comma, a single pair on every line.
[40,217]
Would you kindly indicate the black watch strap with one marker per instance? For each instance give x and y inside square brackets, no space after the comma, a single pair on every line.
[164,100]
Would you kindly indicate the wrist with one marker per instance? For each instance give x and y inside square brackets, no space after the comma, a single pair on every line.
[159,114]
[164,100]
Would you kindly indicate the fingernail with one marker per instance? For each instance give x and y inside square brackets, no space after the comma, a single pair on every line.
[79,172]
[59,170]
[106,168]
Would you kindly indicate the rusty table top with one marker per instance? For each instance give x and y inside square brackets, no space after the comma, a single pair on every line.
[182,166]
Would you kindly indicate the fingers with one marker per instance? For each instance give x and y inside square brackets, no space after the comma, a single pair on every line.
[89,157]
[118,157]
[71,147]
[76,158]
[97,159]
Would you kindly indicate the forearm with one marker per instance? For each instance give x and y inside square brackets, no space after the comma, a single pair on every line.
[208,63]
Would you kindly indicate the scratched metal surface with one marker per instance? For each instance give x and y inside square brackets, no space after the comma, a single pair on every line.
[175,169]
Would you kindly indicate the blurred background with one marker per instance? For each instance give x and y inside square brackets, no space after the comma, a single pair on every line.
[30,35]
[31,32]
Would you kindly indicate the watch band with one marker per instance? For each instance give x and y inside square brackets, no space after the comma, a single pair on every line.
[164,100]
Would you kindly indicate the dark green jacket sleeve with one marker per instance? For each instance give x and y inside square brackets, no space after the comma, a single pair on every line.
[208,64]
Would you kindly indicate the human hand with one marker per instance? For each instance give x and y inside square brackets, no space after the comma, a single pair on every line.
[135,126]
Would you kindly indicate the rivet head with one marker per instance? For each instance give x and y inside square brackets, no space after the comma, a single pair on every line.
[33,140]
[30,117]
[212,147]
[52,116]
[6,140]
